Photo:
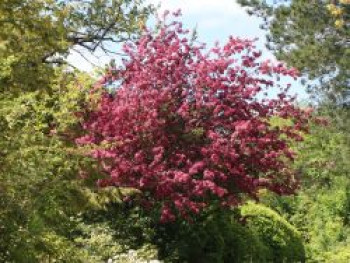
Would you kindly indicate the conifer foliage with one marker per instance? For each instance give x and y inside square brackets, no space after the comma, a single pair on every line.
[187,127]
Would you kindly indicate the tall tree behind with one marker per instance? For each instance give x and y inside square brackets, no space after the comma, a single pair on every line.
[311,36]
[39,189]
[314,36]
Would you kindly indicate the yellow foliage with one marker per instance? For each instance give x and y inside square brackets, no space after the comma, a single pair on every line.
[339,13]
[339,23]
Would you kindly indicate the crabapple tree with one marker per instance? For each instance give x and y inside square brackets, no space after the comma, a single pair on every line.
[189,126]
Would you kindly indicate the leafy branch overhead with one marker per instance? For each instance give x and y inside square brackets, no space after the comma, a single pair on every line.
[35,32]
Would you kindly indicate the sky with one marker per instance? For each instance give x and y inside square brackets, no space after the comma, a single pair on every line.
[214,20]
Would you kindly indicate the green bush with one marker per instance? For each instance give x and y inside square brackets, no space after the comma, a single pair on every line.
[321,208]
[283,241]
[251,233]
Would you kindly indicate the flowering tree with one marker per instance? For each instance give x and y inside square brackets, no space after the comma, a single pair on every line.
[186,126]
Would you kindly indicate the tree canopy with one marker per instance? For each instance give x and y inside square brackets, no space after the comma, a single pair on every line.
[38,35]
[312,36]
[40,190]
[167,155]
[185,127]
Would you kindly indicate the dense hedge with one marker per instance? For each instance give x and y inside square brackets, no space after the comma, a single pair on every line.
[251,233]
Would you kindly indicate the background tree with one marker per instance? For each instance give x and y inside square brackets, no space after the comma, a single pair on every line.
[36,35]
[314,36]
[305,35]
[323,200]
[40,191]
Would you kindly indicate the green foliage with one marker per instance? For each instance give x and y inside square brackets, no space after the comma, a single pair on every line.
[37,35]
[252,233]
[212,239]
[35,168]
[321,209]
[49,214]
[41,194]
[304,34]
[101,243]
[281,238]
[313,36]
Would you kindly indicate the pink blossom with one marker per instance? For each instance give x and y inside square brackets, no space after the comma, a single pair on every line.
[185,127]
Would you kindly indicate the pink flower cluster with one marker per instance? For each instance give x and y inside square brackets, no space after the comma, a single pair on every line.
[187,127]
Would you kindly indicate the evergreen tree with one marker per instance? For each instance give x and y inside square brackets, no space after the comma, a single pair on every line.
[312,36]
